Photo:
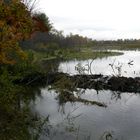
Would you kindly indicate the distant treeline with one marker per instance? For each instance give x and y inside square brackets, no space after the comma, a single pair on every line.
[56,40]
[117,44]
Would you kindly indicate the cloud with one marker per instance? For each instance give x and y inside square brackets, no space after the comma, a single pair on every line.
[103,19]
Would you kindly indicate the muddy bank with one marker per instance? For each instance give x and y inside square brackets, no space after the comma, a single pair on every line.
[97,82]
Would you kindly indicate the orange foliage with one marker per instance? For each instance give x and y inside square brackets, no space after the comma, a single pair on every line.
[15,25]
[39,25]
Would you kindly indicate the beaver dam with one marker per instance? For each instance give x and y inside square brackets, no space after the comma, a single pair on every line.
[97,82]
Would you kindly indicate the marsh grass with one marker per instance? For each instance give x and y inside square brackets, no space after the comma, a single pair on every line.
[84,55]
[69,54]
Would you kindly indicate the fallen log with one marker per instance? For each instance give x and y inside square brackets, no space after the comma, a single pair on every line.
[97,82]
[67,96]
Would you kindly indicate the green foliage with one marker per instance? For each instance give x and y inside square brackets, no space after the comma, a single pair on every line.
[41,22]
[11,120]
[16,119]
[84,54]
[17,122]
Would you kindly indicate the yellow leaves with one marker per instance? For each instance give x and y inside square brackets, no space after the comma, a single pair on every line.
[15,25]
[4,60]
[22,54]
[1,23]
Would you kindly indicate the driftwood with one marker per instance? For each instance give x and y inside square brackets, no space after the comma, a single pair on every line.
[65,84]
[97,82]
[66,96]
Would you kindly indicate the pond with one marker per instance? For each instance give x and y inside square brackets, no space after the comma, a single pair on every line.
[120,120]
[128,64]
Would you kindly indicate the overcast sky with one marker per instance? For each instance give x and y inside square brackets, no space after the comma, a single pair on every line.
[97,19]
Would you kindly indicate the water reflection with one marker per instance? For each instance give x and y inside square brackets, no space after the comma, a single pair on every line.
[120,120]
[51,65]
[78,120]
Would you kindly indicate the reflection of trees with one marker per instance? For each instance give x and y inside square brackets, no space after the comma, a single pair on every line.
[20,123]
[50,65]
[30,94]
[66,127]
[108,135]
[116,95]
[66,89]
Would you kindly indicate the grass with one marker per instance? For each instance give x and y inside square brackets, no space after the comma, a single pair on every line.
[83,55]
[69,54]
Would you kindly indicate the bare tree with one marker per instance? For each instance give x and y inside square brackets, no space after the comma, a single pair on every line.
[30,4]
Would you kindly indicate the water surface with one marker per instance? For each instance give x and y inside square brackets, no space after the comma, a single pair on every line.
[103,66]
[120,120]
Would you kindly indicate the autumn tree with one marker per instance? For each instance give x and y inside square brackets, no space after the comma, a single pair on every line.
[17,23]
[41,22]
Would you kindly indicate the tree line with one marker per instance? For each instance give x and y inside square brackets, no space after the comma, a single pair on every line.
[55,40]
